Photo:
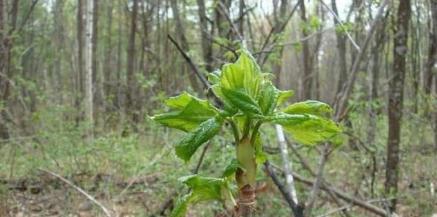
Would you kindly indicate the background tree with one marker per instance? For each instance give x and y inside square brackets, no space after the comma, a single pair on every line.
[396,99]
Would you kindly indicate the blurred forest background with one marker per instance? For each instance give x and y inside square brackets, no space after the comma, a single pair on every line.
[78,79]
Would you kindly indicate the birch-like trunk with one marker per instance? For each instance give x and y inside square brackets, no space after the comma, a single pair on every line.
[88,54]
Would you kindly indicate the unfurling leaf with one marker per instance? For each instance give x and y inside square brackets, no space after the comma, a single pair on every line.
[312,107]
[230,169]
[193,140]
[270,97]
[307,129]
[239,84]
[243,74]
[239,99]
[202,189]
[186,112]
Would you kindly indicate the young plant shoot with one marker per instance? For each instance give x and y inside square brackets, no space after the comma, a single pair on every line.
[249,100]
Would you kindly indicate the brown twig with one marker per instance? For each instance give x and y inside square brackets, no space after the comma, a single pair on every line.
[295,208]
[341,104]
[275,29]
[342,195]
[168,203]
[317,183]
[91,198]
[190,62]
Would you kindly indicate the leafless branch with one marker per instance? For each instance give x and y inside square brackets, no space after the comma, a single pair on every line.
[342,195]
[341,25]
[279,27]
[295,208]
[286,163]
[341,103]
[190,62]
[91,198]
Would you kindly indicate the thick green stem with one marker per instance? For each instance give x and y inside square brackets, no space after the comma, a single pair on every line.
[246,178]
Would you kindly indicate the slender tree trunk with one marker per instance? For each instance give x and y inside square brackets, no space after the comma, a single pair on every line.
[416,60]
[374,72]
[396,97]
[220,19]
[432,56]
[315,57]
[80,60]
[97,81]
[277,66]
[180,29]
[206,42]
[430,74]
[130,72]
[241,7]
[88,45]
[118,83]
[4,83]
[7,44]
[307,78]
[341,52]
[434,113]
[108,95]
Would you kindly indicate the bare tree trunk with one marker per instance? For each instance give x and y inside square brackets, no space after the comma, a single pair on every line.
[4,83]
[341,52]
[80,60]
[130,72]
[118,83]
[220,19]
[107,87]
[277,66]
[180,28]
[374,72]
[434,113]
[7,44]
[88,45]
[97,81]
[396,97]
[416,57]
[307,78]
[430,69]
[241,8]
[206,42]
[315,57]
[432,55]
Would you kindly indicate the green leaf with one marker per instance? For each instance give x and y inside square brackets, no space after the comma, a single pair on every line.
[186,112]
[229,109]
[309,107]
[239,99]
[193,140]
[181,206]
[268,98]
[239,84]
[306,129]
[202,189]
[243,74]
[271,97]
[232,168]
[284,95]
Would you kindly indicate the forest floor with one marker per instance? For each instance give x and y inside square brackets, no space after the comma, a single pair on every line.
[134,175]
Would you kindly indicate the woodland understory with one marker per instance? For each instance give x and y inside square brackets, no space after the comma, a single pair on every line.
[83,84]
